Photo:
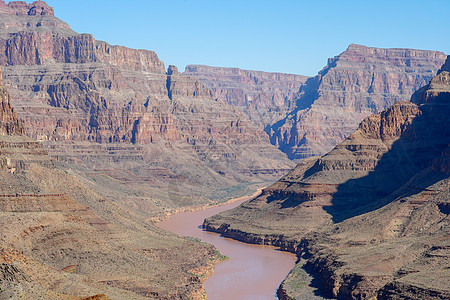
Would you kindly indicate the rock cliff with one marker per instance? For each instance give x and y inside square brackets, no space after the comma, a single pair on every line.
[21,8]
[61,239]
[9,122]
[355,84]
[371,217]
[32,35]
[114,112]
[264,97]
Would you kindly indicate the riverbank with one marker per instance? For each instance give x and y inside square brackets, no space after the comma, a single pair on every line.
[240,199]
[302,281]
[252,270]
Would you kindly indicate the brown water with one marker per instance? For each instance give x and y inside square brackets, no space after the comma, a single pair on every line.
[252,272]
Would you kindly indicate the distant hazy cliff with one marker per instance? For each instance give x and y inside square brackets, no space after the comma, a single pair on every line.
[359,82]
[264,97]
[306,117]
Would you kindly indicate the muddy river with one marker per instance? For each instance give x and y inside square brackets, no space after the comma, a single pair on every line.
[252,272]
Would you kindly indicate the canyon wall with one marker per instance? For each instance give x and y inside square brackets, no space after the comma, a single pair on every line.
[115,115]
[309,116]
[371,216]
[355,84]
[21,8]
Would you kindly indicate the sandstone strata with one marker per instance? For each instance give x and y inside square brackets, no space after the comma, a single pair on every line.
[371,217]
[116,117]
[355,84]
[264,97]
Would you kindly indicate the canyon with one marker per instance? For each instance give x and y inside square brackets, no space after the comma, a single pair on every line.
[370,218]
[99,141]
[355,84]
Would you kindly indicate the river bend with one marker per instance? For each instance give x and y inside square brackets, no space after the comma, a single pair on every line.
[252,272]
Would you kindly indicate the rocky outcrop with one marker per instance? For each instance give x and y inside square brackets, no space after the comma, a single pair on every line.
[19,8]
[371,216]
[264,97]
[359,82]
[398,290]
[9,122]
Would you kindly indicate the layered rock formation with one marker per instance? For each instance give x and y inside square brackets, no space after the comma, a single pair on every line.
[371,217]
[21,8]
[60,239]
[114,115]
[355,84]
[264,97]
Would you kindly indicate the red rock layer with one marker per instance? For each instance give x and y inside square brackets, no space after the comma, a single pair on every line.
[37,48]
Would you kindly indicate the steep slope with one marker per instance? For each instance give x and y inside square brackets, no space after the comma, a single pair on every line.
[263,97]
[371,216]
[151,139]
[61,240]
[355,84]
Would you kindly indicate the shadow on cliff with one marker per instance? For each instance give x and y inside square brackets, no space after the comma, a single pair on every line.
[288,201]
[307,94]
[423,141]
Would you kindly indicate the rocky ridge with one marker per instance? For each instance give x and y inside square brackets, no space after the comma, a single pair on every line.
[114,115]
[263,97]
[355,84]
[371,217]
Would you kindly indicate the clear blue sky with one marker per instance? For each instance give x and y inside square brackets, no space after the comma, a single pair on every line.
[279,36]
